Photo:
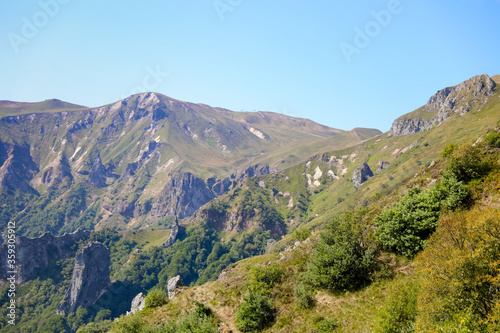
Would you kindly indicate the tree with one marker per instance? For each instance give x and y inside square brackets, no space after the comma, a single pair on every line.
[255,313]
[343,259]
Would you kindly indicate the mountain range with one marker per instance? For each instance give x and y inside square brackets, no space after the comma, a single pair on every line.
[152,195]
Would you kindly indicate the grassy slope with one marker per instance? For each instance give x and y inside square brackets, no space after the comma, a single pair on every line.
[355,311]
[8,108]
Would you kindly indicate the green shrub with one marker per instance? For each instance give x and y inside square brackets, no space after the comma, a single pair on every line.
[301,233]
[405,226]
[342,259]
[200,320]
[493,139]
[155,297]
[400,308]
[468,162]
[304,296]
[255,313]
[323,324]
[268,275]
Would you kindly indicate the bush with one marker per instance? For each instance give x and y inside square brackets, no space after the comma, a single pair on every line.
[400,308]
[461,267]
[493,139]
[405,227]
[304,296]
[268,275]
[342,259]
[155,297]
[301,233]
[200,320]
[325,325]
[469,162]
[255,313]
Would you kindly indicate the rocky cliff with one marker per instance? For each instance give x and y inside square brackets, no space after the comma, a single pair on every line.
[459,99]
[361,175]
[34,255]
[90,278]
[182,196]
[17,167]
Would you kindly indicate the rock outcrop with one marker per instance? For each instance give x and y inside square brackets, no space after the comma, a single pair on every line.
[182,196]
[220,187]
[90,278]
[172,238]
[459,99]
[138,304]
[97,175]
[172,285]
[17,167]
[410,126]
[35,255]
[382,165]
[361,175]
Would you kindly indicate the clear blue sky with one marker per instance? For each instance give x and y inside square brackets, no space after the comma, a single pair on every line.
[285,56]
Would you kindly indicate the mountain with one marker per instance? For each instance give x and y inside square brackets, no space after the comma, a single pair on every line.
[256,218]
[145,159]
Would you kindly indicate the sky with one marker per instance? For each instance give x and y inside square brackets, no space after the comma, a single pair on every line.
[344,64]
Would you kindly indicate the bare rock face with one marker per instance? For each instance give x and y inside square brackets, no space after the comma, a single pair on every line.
[90,278]
[382,165]
[97,175]
[172,237]
[173,284]
[459,99]
[404,127]
[138,304]
[182,196]
[220,187]
[34,255]
[361,175]
[17,167]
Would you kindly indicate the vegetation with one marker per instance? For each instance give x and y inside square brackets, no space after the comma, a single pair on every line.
[155,297]
[406,225]
[343,258]
[255,313]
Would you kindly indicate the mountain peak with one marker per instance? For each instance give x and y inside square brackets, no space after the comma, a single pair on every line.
[458,99]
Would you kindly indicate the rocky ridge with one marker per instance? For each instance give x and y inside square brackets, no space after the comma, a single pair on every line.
[34,255]
[459,99]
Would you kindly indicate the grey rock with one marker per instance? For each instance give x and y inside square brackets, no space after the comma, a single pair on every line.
[97,175]
[183,196]
[459,99]
[90,278]
[173,284]
[361,175]
[404,127]
[138,304]
[173,236]
[382,165]
[35,255]
[17,167]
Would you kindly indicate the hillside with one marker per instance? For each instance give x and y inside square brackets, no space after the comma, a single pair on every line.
[118,165]
[322,235]
[421,290]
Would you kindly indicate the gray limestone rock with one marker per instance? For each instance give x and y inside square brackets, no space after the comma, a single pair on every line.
[382,165]
[361,175]
[34,255]
[173,284]
[90,278]
[138,304]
